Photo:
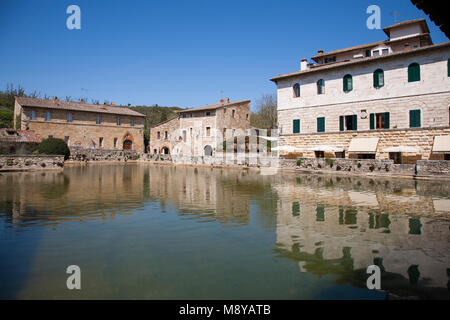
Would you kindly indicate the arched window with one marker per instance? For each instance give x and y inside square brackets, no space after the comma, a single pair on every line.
[448,68]
[413,72]
[321,86]
[348,83]
[378,78]
[296,89]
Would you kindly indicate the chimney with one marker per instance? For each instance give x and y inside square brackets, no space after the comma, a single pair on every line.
[222,101]
[55,98]
[319,52]
[104,103]
[227,100]
[304,64]
[80,100]
[113,104]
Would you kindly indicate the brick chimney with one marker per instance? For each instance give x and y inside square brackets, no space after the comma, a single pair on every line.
[113,104]
[80,100]
[320,52]
[227,100]
[55,98]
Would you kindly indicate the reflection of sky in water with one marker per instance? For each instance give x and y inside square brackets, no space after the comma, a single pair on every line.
[159,232]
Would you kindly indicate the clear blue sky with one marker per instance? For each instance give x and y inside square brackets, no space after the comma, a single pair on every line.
[177,53]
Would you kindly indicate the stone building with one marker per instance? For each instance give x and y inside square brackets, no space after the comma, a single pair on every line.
[386,100]
[200,131]
[82,125]
[18,141]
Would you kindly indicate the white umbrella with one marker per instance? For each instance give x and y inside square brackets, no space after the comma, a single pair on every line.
[268,138]
[287,149]
[406,149]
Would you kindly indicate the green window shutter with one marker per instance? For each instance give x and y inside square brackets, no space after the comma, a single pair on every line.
[296,126]
[345,84]
[321,124]
[372,121]
[448,68]
[375,79]
[350,83]
[413,72]
[355,122]
[381,78]
[386,120]
[414,118]
[341,123]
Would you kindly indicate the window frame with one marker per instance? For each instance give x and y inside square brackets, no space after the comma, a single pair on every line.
[376,78]
[346,83]
[295,126]
[296,90]
[320,86]
[414,72]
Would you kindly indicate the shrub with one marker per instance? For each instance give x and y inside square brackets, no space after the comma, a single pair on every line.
[329,162]
[299,162]
[54,146]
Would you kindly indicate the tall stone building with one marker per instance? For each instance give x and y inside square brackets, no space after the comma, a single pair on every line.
[82,125]
[386,100]
[199,131]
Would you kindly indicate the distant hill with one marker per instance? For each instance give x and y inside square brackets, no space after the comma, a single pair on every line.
[156,114]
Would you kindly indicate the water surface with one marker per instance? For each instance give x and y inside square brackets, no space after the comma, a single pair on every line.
[159,232]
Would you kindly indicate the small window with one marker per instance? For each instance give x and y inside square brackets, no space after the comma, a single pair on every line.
[246,116]
[368,53]
[378,78]
[32,115]
[385,51]
[375,53]
[159,135]
[348,122]
[233,113]
[69,117]
[296,126]
[321,86]
[50,137]
[99,120]
[319,154]
[166,134]
[100,142]
[208,113]
[48,116]
[414,119]
[208,131]
[413,72]
[115,143]
[118,121]
[379,120]
[132,122]
[321,124]
[296,89]
[348,83]
[184,135]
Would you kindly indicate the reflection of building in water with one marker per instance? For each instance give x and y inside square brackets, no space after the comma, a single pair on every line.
[339,230]
[202,191]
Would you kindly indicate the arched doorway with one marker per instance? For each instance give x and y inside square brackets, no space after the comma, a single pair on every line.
[208,151]
[127,145]
[165,150]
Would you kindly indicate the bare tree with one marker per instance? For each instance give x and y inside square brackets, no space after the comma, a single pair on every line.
[265,116]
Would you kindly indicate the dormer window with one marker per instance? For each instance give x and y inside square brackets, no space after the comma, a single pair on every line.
[296,90]
[321,86]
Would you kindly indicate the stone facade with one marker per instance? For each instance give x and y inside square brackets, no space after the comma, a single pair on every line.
[320,119]
[83,125]
[102,155]
[31,162]
[201,131]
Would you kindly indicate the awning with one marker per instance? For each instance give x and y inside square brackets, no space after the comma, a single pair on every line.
[325,148]
[441,144]
[405,149]
[286,149]
[363,145]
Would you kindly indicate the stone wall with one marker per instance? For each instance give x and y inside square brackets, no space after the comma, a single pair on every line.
[438,168]
[31,162]
[374,167]
[157,144]
[85,155]
[420,138]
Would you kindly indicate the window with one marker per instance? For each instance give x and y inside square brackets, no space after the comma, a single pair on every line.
[385,51]
[99,120]
[296,89]
[321,124]
[48,116]
[132,122]
[166,134]
[413,72]
[331,59]
[69,117]
[348,122]
[296,126]
[340,155]
[100,142]
[378,78]
[379,120]
[159,135]
[366,156]
[348,83]
[115,143]
[319,154]
[321,86]
[375,53]
[50,137]
[32,115]
[233,113]
[208,131]
[396,156]
[118,121]
[246,116]
[368,53]
[184,135]
[208,113]
[414,118]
